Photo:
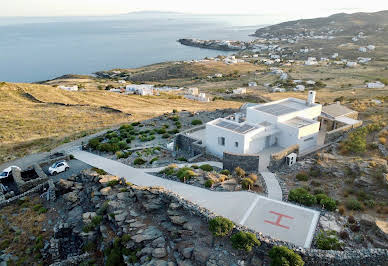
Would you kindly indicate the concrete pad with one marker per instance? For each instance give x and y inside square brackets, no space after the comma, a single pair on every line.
[283,221]
[256,212]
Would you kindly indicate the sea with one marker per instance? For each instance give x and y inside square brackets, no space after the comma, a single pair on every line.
[35,49]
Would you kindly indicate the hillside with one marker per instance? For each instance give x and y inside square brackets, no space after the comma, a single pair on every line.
[341,24]
[39,117]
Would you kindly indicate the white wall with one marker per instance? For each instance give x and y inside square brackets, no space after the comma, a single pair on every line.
[255,145]
[310,113]
[288,135]
[256,117]
[212,146]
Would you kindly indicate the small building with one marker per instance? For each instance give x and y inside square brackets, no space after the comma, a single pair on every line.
[143,89]
[278,89]
[69,88]
[193,91]
[121,81]
[334,56]
[240,91]
[375,85]
[299,88]
[371,47]
[252,84]
[218,75]
[336,115]
[351,64]
[311,61]
[310,82]
[281,123]
[363,49]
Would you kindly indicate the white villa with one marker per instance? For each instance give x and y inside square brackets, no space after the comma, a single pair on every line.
[143,89]
[280,123]
[67,88]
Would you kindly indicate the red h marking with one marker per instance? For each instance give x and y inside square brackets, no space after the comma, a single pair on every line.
[280,216]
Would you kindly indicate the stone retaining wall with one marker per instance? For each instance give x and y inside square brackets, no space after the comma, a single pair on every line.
[278,160]
[31,191]
[250,163]
[333,135]
[310,256]
[186,146]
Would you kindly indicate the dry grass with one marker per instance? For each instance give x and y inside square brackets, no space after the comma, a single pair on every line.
[31,123]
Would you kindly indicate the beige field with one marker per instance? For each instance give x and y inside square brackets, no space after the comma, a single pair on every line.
[39,117]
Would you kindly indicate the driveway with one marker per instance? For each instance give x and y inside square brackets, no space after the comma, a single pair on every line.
[76,166]
[274,218]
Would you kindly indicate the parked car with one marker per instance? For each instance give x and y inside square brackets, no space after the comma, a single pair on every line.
[8,171]
[58,167]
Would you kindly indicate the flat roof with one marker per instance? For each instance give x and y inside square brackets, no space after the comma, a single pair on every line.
[281,108]
[336,110]
[299,122]
[242,129]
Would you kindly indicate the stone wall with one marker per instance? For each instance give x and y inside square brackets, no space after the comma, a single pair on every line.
[24,186]
[31,191]
[278,160]
[188,147]
[250,163]
[339,132]
[310,256]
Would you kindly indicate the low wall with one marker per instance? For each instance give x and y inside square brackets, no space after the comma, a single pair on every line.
[250,163]
[333,135]
[310,256]
[278,160]
[186,146]
[31,191]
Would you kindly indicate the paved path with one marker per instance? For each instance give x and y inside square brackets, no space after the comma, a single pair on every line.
[278,219]
[273,188]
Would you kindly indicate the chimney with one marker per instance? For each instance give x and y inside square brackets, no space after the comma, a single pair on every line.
[311,98]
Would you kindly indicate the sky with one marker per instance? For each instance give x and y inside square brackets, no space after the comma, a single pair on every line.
[298,8]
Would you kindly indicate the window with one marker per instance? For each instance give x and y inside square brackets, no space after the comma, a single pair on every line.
[236,144]
[221,141]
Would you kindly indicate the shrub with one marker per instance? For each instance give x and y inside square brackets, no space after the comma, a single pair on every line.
[99,171]
[244,241]
[71,156]
[344,235]
[206,167]
[302,177]
[220,226]
[327,241]
[315,172]
[113,183]
[185,175]
[135,124]
[302,196]
[209,183]
[194,166]
[139,161]
[196,122]
[351,219]
[356,141]
[282,256]
[239,172]
[225,172]
[341,210]
[252,177]
[328,204]
[161,131]
[353,204]
[5,244]
[93,143]
[315,183]
[247,183]
[370,203]
[166,136]
[153,160]
[182,159]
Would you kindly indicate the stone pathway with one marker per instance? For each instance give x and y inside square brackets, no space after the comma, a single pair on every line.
[274,190]
[280,220]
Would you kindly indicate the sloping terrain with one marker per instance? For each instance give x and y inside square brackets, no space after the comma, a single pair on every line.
[348,23]
[39,117]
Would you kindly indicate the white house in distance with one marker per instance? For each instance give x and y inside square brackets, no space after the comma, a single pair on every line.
[282,123]
[143,89]
[240,91]
[67,88]
[375,85]
[252,84]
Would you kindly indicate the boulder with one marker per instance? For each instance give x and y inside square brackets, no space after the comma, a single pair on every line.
[364,181]
[71,196]
[159,253]
[88,216]
[120,216]
[65,184]
[149,233]
[367,220]
[106,178]
[201,254]
[106,191]
[178,220]
[159,242]
[187,252]
[329,223]
[382,227]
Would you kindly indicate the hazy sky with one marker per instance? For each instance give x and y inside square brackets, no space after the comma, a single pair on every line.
[303,8]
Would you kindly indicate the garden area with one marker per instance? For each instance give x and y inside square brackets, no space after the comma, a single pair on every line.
[210,177]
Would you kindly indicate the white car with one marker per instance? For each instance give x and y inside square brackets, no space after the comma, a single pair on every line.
[58,167]
[8,171]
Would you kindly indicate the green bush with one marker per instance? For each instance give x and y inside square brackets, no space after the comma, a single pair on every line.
[302,177]
[356,141]
[168,170]
[220,226]
[283,256]
[206,167]
[5,244]
[185,173]
[353,204]
[194,166]
[182,159]
[161,131]
[239,172]
[302,196]
[165,135]
[93,143]
[225,172]
[209,183]
[113,183]
[327,241]
[153,160]
[326,202]
[247,183]
[139,161]
[315,172]
[196,122]
[99,171]
[244,241]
